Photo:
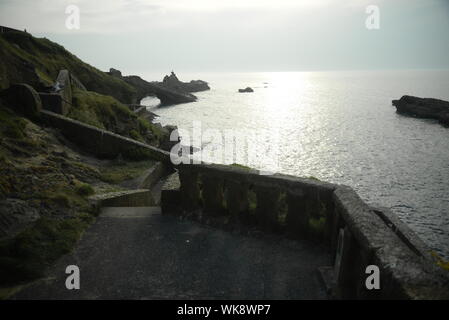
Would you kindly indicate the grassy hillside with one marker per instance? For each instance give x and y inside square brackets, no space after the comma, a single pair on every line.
[38,177]
[105,112]
[44,189]
[37,61]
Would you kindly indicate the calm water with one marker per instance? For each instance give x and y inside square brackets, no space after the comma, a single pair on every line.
[340,127]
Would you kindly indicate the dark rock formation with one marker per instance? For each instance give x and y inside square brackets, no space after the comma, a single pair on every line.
[167,96]
[247,89]
[115,72]
[444,118]
[172,82]
[427,108]
[15,215]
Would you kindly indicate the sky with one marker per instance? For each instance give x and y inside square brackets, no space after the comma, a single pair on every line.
[138,36]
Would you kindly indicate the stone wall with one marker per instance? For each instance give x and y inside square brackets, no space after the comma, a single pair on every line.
[102,143]
[357,234]
[7,29]
[24,99]
[52,101]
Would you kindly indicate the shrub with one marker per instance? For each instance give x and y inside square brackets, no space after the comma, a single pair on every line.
[85,189]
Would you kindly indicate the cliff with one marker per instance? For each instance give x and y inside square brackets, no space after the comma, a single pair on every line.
[427,108]
[37,62]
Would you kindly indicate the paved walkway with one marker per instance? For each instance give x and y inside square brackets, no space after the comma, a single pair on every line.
[137,253]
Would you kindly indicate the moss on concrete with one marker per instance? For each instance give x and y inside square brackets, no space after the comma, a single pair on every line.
[241,166]
[440,261]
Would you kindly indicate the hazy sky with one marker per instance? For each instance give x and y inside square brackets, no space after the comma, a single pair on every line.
[138,36]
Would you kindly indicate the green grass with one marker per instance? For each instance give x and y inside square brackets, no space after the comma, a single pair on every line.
[145,126]
[85,189]
[99,110]
[105,112]
[27,256]
[11,125]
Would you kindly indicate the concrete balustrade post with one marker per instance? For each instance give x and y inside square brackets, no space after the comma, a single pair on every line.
[212,194]
[348,266]
[297,218]
[267,210]
[237,199]
[189,188]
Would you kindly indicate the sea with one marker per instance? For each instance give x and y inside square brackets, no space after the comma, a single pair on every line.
[339,127]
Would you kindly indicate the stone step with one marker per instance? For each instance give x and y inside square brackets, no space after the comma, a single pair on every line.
[129,198]
[129,212]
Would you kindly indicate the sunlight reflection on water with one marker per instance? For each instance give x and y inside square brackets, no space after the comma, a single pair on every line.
[342,128]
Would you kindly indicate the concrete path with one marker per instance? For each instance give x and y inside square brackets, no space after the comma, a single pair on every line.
[137,253]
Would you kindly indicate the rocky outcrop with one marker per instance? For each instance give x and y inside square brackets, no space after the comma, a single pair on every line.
[247,89]
[167,96]
[15,215]
[115,72]
[172,82]
[427,108]
[444,119]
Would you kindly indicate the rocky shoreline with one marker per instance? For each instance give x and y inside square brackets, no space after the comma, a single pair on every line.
[170,91]
[426,108]
[172,82]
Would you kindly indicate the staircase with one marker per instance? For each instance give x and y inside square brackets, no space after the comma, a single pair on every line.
[138,253]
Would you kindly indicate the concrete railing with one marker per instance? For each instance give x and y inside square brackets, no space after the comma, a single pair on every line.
[76,82]
[101,142]
[357,235]
[60,101]
[4,29]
